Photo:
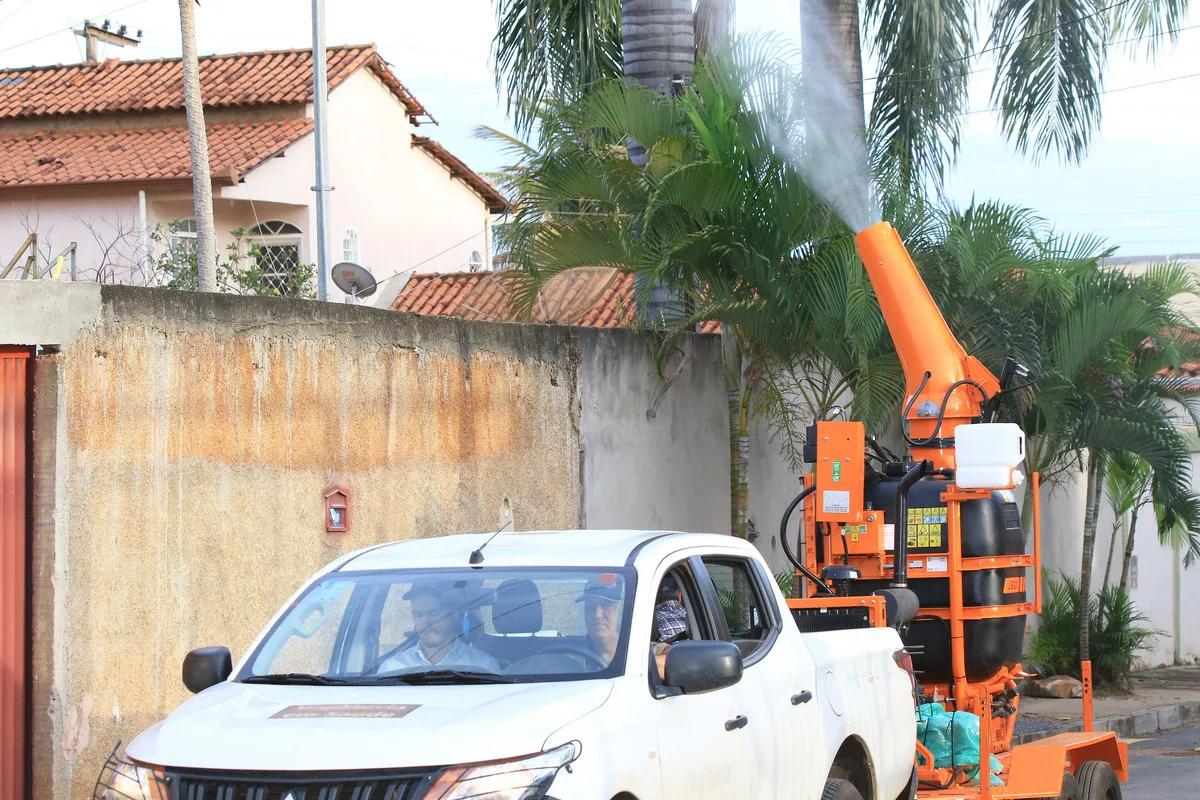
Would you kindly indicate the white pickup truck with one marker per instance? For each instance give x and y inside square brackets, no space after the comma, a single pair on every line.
[597,665]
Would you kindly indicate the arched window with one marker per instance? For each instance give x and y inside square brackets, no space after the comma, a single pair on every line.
[350,246]
[275,248]
[183,240]
[476,261]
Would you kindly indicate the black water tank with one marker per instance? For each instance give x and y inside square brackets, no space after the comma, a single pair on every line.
[990,527]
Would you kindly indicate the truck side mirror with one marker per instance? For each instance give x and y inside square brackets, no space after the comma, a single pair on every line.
[205,667]
[696,667]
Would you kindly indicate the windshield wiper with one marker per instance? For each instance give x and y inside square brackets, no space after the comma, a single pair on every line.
[434,677]
[298,679]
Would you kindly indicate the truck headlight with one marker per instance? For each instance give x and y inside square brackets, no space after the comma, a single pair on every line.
[123,779]
[523,779]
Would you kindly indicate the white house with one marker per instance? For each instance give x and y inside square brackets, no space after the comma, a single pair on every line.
[97,155]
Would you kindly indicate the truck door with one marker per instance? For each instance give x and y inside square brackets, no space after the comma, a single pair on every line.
[703,743]
[777,683]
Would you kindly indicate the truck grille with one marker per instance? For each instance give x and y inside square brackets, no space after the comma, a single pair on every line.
[307,786]
[818,620]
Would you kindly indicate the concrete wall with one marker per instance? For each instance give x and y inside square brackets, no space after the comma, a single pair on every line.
[182,443]
[654,457]
[192,438]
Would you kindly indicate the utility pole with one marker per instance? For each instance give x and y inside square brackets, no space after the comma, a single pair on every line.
[321,132]
[92,34]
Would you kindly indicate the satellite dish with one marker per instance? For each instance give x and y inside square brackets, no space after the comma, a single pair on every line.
[354,280]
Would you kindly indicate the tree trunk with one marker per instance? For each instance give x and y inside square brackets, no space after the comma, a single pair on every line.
[835,133]
[714,25]
[1095,487]
[1128,558]
[1112,546]
[659,42]
[206,237]
[736,396]
[831,59]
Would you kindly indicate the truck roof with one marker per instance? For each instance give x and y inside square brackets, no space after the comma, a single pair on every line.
[526,549]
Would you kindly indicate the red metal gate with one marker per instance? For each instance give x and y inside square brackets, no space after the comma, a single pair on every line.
[14,468]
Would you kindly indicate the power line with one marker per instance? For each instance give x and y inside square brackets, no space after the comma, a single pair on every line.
[71,26]
[993,109]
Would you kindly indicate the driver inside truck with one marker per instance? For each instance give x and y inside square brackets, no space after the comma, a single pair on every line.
[602,602]
[439,615]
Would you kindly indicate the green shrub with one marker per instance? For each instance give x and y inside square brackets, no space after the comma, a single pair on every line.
[1116,629]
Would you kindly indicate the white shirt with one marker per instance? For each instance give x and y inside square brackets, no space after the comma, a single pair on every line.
[460,655]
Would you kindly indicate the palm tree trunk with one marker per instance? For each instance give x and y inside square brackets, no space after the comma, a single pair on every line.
[659,42]
[1095,486]
[714,24]
[1112,546]
[1128,558]
[737,399]
[831,56]
[206,238]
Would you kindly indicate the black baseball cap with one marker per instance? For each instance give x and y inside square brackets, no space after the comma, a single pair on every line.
[606,586]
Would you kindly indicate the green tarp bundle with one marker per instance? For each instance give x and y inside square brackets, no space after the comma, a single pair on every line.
[953,739]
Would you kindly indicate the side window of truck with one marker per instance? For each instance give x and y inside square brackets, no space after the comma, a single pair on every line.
[752,625]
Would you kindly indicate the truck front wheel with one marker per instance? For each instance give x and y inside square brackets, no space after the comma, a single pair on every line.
[838,789]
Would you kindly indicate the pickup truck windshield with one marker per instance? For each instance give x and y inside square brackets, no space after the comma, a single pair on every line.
[450,626]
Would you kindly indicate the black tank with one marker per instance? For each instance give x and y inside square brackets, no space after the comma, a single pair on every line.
[990,527]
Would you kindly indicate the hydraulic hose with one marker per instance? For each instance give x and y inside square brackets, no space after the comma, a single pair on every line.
[900,567]
[787,548]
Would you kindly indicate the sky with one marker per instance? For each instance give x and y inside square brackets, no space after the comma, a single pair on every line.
[1137,187]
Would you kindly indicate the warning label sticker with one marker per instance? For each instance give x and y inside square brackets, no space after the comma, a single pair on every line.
[835,502]
[925,526]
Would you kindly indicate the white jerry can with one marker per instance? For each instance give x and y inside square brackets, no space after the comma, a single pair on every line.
[987,455]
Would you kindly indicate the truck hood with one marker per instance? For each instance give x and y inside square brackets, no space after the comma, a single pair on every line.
[236,726]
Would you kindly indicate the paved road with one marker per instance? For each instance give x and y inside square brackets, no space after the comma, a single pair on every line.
[1165,768]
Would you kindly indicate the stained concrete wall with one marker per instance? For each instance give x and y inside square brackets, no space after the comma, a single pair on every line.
[191,437]
[183,442]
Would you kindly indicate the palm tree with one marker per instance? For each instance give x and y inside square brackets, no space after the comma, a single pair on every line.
[549,52]
[1100,390]
[206,229]
[1127,489]
[1050,62]
[724,218]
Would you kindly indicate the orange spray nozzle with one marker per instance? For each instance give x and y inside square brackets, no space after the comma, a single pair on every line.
[925,345]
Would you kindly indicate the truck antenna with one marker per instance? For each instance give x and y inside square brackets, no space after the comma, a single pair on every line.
[477,554]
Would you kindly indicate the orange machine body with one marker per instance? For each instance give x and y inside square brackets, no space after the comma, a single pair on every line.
[945,388]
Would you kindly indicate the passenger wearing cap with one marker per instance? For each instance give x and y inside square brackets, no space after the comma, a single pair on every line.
[602,601]
[439,618]
[670,621]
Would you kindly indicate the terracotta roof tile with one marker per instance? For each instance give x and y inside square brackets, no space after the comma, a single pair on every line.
[496,202]
[592,297]
[239,79]
[140,154]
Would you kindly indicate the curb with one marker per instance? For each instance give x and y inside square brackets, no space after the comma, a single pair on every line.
[1140,725]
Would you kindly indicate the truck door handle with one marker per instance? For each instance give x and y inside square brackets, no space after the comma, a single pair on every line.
[803,697]
[739,721]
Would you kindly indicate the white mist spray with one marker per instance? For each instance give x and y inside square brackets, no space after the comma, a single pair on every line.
[830,148]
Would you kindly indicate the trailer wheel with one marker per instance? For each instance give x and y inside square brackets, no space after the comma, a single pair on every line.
[1097,781]
[838,789]
[1070,788]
